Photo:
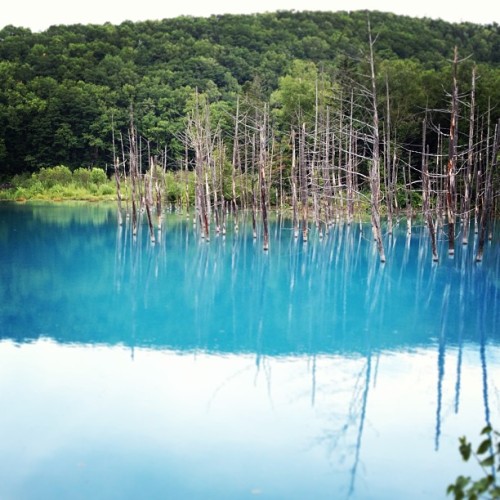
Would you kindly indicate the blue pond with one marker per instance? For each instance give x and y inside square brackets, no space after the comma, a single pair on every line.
[193,370]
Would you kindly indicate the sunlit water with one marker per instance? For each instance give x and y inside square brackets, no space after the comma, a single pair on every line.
[190,369]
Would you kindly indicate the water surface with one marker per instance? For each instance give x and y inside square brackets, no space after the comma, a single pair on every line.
[188,369]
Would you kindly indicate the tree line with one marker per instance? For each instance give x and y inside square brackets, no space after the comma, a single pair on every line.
[66,90]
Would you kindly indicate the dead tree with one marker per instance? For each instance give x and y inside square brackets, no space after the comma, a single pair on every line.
[487,194]
[236,163]
[295,213]
[470,163]
[262,178]
[452,160]
[148,200]
[389,174]
[349,177]
[133,172]
[304,201]
[118,191]
[198,137]
[426,193]
[375,163]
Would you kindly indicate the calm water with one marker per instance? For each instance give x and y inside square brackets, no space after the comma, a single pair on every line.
[195,370]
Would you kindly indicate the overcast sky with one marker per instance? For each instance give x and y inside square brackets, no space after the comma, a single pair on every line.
[40,14]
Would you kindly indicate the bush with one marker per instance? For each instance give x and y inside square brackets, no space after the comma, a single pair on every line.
[173,189]
[81,177]
[49,177]
[98,176]
[20,180]
[106,189]
[21,194]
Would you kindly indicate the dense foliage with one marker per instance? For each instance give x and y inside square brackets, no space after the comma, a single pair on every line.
[65,90]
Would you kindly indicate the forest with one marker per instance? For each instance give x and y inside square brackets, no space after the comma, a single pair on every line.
[329,114]
[63,90]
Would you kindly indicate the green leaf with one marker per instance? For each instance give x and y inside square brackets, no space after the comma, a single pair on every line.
[458,488]
[483,484]
[484,446]
[486,430]
[465,448]
[488,462]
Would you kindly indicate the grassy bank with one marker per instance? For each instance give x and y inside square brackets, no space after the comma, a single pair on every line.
[59,184]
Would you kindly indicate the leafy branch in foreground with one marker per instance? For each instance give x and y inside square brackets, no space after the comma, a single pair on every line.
[488,458]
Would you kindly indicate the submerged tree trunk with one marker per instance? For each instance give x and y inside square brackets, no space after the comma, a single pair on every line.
[470,163]
[118,191]
[294,189]
[262,180]
[133,172]
[148,200]
[375,164]
[452,161]
[487,194]
[426,195]
[304,202]
[388,167]
[236,163]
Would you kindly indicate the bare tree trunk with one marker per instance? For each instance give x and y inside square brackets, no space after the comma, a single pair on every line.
[262,179]
[470,163]
[388,168]
[452,161]
[487,196]
[350,166]
[133,171]
[440,176]
[198,134]
[325,171]
[426,194]
[236,163]
[409,197]
[148,195]
[118,191]
[254,201]
[294,189]
[479,177]
[304,202]
[375,166]
[314,159]
[158,191]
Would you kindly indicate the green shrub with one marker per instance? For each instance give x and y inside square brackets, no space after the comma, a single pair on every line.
[98,176]
[35,187]
[21,194]
[81,177]
[106,190]
[56,191]
[50,177]
[173,189]
[20,180]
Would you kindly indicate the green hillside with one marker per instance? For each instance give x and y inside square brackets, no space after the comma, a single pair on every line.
[63,91]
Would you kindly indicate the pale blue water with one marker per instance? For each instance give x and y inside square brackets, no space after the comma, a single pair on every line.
[214,370]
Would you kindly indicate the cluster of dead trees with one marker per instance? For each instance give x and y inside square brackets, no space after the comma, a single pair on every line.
[144,186]
[341,164]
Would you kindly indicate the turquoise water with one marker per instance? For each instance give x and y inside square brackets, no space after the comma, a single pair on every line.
[188,369]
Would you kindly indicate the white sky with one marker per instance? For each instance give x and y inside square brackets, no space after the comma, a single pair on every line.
[40,14]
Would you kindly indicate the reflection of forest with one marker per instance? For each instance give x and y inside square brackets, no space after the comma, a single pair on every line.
[91,284]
